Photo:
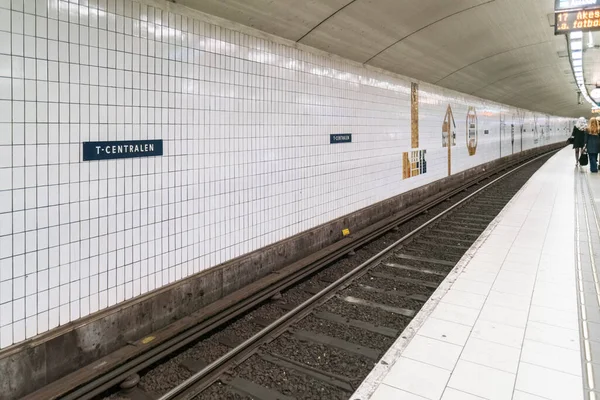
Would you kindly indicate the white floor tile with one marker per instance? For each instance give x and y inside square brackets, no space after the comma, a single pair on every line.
[515,287]
[558,289]
[548,383]
[553,357]
[550,316]
[493,355]
[454,313]
[478,274]
[453,394]
[464,299]
[535,245]
[498,242]
[534,231]
[504,315]
[486,263]
[433,352]
[445,331]
[505,233]
[495,252]
[522,256]
[550,276]
[482,381]
[556,245]
[512,222]
[418,378]
[466,285]
[498,333]
[518,395]
[488,257]
[385,392]
[565,258]
[521,267]
[566,301]
[508,300]
[516,276]
[561,337]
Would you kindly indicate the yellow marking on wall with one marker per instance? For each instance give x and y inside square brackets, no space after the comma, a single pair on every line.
[414,115]
[148,339]
[449,135]
[345,232]
[405,166]
[472,131]
[449,160]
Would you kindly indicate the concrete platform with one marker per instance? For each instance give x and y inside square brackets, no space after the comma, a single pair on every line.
[519,317]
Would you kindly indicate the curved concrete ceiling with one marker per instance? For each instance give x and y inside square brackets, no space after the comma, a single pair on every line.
[502,50]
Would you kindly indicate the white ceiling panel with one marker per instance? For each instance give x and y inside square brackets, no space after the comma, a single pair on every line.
[502,50]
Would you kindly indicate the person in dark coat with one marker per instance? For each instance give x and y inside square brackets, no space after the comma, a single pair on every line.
[578,138]
[592,144]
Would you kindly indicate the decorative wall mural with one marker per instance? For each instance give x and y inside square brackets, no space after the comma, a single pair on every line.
[449,135]
[536,131]
[472,131]
[449,128]
[521,115]
[413,162]
[502,130]
[512,133]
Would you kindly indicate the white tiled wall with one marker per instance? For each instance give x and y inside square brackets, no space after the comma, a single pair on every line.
[247,162]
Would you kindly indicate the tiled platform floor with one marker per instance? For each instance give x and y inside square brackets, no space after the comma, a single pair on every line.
[519,317]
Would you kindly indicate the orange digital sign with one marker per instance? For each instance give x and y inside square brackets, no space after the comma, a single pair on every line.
[582,20]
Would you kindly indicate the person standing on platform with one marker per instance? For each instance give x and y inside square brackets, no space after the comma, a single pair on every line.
[578,138]
[592,144]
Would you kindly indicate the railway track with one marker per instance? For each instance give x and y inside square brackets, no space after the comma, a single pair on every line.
[331,329]
[318,333]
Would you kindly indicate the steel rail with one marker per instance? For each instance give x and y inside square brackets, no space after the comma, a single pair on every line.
[190,388]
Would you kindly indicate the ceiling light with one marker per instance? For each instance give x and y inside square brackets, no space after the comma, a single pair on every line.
[576,58]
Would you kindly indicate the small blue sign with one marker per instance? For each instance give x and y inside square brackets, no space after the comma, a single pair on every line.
[93,151]
[340,138]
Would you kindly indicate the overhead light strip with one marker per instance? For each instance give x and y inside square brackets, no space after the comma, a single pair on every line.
[576,58]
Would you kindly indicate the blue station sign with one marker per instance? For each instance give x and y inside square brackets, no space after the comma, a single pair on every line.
[93,151]
[340,138]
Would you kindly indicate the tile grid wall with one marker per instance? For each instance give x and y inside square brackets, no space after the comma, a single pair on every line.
[247,160]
